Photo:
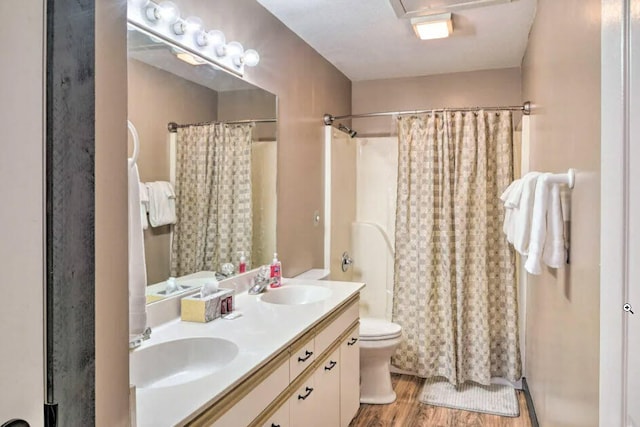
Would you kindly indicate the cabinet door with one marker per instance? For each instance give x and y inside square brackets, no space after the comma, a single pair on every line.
[280,418]
[302,405]
[327,380]
[349,377]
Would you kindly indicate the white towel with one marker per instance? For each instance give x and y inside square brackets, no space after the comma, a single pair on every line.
[511,196]
[144,205]
[538,226]
[520,231]
[162,203]
[137,266]
[554,254]
[511,199]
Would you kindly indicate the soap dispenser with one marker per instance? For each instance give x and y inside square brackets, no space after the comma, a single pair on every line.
[276,272]
[242,264]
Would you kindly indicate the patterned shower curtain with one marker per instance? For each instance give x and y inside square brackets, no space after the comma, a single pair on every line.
[213,197]
[455,289]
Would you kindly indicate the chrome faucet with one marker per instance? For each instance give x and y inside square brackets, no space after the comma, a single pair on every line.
[260,281]
[137,341]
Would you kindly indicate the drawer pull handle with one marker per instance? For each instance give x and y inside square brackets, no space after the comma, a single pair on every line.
[353,341]
[308,392]
[275,425]
[307,355]
[332,365]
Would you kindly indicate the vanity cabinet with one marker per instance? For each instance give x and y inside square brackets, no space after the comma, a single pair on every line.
[349,377]
[327,380]
[280,418]
[303,404]
[314,382]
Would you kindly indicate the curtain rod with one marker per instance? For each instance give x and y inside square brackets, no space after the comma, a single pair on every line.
[525,108]
[173,126]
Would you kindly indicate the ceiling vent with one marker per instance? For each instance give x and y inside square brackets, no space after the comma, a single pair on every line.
[413,8]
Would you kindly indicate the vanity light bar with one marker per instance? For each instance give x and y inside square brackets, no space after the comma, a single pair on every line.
[163,20]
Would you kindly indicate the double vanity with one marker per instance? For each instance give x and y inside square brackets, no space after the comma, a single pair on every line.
[290,358]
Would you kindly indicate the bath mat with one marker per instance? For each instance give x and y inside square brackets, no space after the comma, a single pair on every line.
[496,399]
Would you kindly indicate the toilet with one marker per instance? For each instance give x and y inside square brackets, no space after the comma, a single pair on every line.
[379,339]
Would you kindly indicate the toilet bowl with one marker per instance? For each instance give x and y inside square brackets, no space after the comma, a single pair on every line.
[378,341]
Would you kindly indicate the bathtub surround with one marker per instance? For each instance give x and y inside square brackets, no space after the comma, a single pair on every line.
[454,289]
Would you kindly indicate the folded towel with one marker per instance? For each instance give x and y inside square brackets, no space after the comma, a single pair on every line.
[554,254]
[511,199]
[137,266]
[538,226]
[521,222]
[511,196]
[144,205]
[162,203]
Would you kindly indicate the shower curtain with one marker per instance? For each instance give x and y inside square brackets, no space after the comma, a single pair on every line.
[455,289]
[213,197]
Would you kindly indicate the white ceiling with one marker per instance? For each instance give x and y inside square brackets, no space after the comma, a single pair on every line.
[366,40]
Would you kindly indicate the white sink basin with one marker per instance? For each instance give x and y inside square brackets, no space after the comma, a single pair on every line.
[177,362]
[296,295]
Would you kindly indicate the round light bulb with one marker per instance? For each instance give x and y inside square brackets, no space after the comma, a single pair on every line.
[234,50]
[215,39]
[193,24]
[250,58]
[168,12]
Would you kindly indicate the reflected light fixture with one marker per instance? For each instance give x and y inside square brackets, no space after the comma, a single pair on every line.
[433,26]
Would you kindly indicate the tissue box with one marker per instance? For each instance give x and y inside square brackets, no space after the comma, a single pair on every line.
[194,308]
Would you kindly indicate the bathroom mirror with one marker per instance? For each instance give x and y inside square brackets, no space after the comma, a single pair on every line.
[163,88]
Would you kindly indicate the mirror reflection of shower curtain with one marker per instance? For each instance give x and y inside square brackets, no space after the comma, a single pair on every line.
[213,197]
[455,288]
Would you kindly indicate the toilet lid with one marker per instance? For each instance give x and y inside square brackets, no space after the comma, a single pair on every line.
[378,329]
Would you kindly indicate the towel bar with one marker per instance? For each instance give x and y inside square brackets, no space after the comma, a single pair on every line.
[568,178]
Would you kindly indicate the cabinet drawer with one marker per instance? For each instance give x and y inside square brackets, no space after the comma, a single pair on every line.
[303,406]
[280,418]
[302,357]
[250,406]
[329,334]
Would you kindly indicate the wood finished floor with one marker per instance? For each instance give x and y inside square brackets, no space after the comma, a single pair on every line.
[408,411]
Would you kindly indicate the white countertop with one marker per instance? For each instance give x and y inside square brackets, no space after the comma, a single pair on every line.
[263,331]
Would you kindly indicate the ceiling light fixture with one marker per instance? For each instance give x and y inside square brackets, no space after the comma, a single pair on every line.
[433,26]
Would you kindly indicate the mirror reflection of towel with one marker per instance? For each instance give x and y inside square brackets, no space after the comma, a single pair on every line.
[144,205]
[162,203]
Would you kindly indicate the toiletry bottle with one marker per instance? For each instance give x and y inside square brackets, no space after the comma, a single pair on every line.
[276,272]
[242,265]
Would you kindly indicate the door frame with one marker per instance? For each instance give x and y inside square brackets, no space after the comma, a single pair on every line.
[615,187]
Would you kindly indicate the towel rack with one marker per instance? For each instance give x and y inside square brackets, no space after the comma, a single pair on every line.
[568,178]
[136,143]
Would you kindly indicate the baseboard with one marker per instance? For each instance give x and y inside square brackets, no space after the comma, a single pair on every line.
[530,407]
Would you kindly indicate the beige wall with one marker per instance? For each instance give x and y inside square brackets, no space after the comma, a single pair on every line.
[250,104]
[468,89]
[22,213]
[112,306]
[155,98]
[561,75]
